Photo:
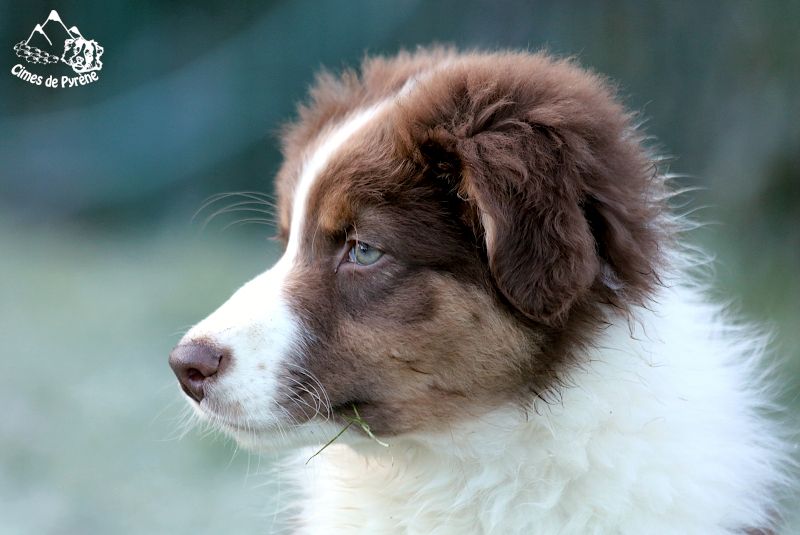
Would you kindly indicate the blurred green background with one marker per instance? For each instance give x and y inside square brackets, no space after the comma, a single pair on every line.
[102,267]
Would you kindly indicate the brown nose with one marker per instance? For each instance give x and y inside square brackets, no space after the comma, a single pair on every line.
[193,363]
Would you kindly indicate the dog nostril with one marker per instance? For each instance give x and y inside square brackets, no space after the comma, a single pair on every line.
[194,375]
[193,363]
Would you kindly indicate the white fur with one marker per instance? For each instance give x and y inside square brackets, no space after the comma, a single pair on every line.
[259,328]
[662,431]
[327,147]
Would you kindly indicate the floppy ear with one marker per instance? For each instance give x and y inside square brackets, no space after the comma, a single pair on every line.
[557,186]
[540,248]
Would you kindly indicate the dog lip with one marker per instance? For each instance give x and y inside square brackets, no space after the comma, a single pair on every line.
[237,426]
[188,393]
[216,419]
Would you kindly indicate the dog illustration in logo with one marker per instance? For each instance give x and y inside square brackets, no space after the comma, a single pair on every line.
[82,55]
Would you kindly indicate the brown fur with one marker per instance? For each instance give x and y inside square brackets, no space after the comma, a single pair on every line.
[515,205]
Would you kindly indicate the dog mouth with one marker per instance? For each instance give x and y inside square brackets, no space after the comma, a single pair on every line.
[188,393]
[291,407]
[243,428]
[342,414]
[225,421]
[344,411]
[234,417]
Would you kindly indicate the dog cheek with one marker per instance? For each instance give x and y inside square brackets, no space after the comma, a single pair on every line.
[410,376]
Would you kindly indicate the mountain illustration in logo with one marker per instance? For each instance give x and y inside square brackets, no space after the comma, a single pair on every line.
[51,42]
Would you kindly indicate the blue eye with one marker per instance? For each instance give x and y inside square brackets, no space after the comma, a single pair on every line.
[364,254]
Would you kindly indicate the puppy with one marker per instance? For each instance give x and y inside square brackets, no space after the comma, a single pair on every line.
[482,284]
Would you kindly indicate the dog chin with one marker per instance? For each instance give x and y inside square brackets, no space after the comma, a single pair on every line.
[277,436]
[312,435]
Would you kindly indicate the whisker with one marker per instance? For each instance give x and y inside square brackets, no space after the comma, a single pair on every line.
[252,220]
[244,206]
[256,196]
[321,393]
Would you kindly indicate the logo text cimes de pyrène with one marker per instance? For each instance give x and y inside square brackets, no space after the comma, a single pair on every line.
[67,57]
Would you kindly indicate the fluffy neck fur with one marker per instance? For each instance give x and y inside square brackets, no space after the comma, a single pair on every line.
[660,431]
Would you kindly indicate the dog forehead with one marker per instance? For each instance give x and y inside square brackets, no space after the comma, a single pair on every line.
[318,187]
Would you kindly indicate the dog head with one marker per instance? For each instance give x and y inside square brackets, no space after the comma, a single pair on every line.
[82,55]
[455,228]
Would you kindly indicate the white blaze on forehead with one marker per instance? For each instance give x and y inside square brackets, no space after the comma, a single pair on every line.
[257,324]
[312,168]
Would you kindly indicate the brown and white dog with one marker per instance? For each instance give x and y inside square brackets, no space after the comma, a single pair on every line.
[481,272]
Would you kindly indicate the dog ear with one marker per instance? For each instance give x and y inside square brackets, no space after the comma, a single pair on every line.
[539,246]
[557,186]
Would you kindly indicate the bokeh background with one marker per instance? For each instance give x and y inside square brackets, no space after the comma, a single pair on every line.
[102,265]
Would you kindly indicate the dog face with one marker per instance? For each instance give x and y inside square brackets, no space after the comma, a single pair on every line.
[455,227]
[82,55]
